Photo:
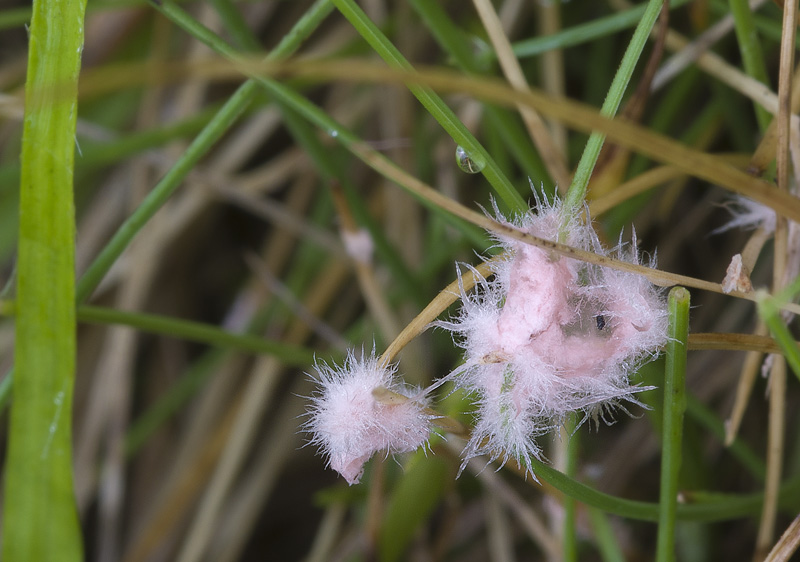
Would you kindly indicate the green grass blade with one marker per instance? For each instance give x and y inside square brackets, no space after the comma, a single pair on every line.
[421,487]
[236,25]
[40,521]
[674,409]
[198,332]
[750,48]
[580,181]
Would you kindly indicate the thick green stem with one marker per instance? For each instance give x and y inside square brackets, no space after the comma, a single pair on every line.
[674,409]
[40,520]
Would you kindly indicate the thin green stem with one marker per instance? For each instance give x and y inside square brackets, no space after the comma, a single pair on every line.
[583,173]
[674,409]
[752,55]
[312,113]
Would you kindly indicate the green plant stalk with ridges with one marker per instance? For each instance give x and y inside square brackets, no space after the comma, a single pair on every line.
[674,409]
[583,173]
[434,105]
[40,520]
[97,153]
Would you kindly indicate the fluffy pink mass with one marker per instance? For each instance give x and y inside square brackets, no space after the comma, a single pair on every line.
[350,424]
[549,335]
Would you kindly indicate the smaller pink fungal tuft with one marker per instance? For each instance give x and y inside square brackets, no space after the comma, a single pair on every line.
[362,409]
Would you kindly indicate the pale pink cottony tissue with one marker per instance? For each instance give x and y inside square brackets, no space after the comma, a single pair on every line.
[550,335]
[349,424]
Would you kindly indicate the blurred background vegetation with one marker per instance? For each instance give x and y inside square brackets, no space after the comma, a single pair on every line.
[187,442]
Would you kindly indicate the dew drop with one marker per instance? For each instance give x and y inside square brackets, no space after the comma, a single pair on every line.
[333,133]
[467,162]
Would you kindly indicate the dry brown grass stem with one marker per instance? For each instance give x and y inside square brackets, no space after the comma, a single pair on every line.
[777,390]
[574,114]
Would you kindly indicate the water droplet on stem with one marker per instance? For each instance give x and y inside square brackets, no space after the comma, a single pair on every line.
[468,163]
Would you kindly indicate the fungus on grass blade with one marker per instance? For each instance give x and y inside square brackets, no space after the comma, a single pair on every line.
[362,409]
[549,335]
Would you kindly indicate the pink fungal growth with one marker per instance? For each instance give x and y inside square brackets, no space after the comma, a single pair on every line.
[549,335]
[354,417]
